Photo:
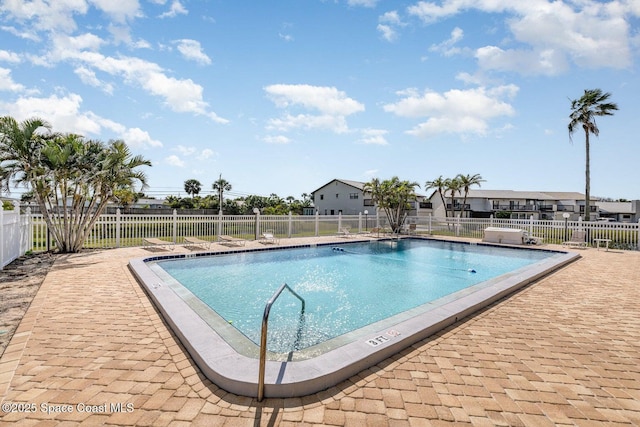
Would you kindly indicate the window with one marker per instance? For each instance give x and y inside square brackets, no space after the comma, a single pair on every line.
[322,197]
[337,195]
[369,202]
[353,196]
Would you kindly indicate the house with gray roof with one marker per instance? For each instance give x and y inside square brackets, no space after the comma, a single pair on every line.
[346,197]
[514,204]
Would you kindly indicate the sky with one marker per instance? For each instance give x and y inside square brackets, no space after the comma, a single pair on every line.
[282,97]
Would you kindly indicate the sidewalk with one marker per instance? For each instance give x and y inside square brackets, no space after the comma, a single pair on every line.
[93,350]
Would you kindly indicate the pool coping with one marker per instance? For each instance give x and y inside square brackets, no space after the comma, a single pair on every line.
[239,374]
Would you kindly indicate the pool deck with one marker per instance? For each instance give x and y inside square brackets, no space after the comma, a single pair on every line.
[563,351]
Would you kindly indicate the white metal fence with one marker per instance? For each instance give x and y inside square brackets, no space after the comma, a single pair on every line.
[15,238]
[119,230]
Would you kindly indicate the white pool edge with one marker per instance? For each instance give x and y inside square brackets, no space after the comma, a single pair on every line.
[238,374]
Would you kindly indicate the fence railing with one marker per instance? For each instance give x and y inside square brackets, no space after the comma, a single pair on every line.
[120,230]
[15,238]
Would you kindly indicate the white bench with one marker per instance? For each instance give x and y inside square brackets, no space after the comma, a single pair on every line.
[511,236]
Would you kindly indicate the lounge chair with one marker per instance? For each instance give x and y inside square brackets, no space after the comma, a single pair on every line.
[148,242]
[345,232]
[578,239]
[194,241]
[269,238]
[231,241]
[411,229]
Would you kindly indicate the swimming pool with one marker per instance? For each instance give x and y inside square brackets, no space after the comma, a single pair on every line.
[364,302]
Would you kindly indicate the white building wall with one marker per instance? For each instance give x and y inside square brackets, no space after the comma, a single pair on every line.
[337,197]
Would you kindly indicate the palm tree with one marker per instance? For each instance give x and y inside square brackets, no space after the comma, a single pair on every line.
[192,187]
[71,179]
[466,181]
[20,146]
[583,113]
[221,185]
[452,185]
[392,196]
[439,184]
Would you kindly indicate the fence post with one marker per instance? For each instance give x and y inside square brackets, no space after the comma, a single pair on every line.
[430,229]
[29,229]
[118,223]
[638,237]
[317,223]
[257,214]
[359,222]
[175,225]
[531,225]
[458,225]
[339,220]
[219,224]
[290,224]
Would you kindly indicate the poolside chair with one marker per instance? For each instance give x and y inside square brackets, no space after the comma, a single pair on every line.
[149,242]
[194,241]
[269,238]
[231,241]
[411,229]
[578,239]
[345,232]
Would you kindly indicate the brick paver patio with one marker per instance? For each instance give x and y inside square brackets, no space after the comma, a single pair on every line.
[93,350]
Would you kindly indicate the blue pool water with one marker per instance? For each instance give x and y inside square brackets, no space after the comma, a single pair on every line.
[346,287]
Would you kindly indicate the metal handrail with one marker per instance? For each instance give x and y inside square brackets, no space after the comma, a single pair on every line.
[263,336]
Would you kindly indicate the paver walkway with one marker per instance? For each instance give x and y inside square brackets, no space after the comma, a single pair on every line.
[92,350]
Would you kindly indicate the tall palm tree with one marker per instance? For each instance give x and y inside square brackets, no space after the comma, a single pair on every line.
[453,186]
[192,187]
[583,114]
[466,181]
[439,184]
[221,185]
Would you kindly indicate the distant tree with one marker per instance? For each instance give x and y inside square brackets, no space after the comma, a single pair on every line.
[72,179]
[466,181]
[192,187]
[583,114]
[440,184]
[221,185]
[452,185]
[393,197]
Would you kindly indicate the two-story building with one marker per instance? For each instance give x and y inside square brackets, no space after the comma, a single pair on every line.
[550,205]
[342,196]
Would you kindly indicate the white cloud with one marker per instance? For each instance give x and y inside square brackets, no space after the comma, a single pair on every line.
[7,83]
[455,111]
[365,3]
[192,50]
[10,57]
[185,151]
[388,22]
[447,47]
[120,11]
[207,153]
[174,160]
[277,139]
[88,77]
[176,9]
[330,105]
[548,35]
[373,136]
[64,115]
[180,95]
[138,138]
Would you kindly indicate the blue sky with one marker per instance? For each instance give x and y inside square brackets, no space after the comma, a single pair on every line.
[281,97]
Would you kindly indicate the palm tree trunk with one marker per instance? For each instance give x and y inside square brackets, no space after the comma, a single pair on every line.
[587,172]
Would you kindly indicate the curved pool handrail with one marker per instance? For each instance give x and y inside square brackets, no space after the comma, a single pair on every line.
[263,335]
